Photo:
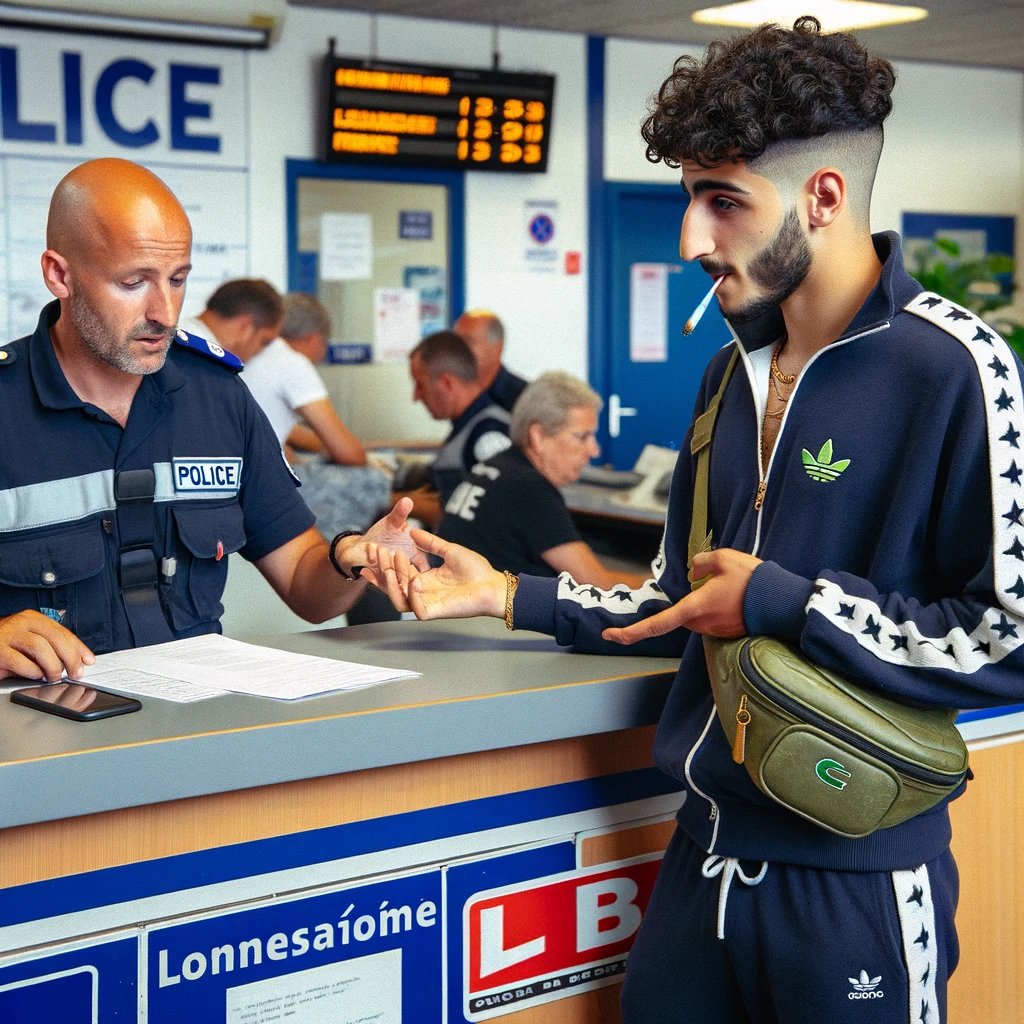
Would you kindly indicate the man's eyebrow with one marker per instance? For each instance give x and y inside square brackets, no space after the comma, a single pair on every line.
[714,185]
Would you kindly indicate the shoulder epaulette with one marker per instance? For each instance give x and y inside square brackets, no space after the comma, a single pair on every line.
[7,356]
[210,349]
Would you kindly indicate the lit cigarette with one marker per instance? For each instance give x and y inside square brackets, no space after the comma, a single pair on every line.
[702,308]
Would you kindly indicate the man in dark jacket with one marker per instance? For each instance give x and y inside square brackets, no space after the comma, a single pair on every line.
[865,501]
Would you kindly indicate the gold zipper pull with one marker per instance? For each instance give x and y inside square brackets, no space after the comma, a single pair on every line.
[739,740]
[759,497]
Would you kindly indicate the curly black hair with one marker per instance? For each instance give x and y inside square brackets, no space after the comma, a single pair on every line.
[763,87]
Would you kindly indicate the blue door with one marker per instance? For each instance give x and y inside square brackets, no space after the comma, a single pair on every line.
[650,389]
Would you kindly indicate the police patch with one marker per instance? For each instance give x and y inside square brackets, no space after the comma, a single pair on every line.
[193,475]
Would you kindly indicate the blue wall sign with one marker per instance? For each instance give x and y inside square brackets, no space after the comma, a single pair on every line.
[372,951]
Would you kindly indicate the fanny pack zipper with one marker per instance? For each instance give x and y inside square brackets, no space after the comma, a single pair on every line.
[801,711]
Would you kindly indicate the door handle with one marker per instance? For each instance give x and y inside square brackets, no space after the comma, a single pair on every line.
[616,410]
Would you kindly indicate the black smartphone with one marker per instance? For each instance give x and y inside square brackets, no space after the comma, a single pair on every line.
[75,700]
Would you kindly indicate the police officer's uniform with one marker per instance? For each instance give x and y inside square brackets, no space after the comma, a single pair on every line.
[122,535]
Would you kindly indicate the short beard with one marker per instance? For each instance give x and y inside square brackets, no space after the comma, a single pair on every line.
[96,336]
[780,267]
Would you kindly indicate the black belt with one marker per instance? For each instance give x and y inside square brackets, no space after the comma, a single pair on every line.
[134,491]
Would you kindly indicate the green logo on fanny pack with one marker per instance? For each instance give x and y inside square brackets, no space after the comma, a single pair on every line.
[832,773]
[823,469]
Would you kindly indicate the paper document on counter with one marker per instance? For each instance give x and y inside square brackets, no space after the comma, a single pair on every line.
[207,666]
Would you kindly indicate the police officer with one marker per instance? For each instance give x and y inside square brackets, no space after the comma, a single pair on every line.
[134,459]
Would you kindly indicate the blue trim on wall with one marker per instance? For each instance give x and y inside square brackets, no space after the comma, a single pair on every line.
[597,262]
[36,901]
[454,181]
[980,714]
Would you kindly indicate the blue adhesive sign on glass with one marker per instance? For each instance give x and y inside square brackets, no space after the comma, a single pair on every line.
[416,224]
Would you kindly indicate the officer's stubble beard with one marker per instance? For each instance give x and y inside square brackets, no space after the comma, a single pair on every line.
[96,335]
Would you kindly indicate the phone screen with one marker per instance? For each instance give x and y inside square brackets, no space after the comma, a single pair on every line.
[75,700]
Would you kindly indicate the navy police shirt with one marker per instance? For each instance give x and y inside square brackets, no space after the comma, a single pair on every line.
[207,453]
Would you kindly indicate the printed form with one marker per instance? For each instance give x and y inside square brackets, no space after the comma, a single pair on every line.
[208,666]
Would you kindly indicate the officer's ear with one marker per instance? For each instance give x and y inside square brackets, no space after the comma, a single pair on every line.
[55,274]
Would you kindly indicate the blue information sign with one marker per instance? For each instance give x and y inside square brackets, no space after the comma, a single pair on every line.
[372,952]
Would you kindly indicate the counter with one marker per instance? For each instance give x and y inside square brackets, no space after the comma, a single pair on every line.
[133,847]
[476,842]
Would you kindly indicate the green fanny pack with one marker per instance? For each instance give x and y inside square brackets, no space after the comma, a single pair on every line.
[838,754]
[835,753]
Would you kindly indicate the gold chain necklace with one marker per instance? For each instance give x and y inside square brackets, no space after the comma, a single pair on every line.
[773,418]
[777,379]
[782,378]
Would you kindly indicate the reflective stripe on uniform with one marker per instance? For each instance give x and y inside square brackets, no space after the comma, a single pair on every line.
[52,502]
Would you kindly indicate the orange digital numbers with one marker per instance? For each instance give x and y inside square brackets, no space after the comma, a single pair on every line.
[470,118]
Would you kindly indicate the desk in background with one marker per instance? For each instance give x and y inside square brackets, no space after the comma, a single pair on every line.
[622,534]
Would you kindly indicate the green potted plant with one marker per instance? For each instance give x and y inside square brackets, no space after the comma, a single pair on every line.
[976,284]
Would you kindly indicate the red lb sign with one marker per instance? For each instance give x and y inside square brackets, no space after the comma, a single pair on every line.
[552,937]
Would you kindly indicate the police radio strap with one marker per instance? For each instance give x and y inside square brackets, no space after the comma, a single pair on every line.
[134,490]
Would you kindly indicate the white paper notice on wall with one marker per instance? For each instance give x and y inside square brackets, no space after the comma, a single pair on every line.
[396,323]
[368,988]
[346,247]
[648,312]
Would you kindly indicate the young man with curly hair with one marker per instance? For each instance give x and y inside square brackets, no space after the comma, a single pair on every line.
[865,500]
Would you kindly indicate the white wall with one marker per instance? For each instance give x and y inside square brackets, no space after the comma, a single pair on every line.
[545,313]
[954,142]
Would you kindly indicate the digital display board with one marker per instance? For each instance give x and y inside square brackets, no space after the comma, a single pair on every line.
[393,113]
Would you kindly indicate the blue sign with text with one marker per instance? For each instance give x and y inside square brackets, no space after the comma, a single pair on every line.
[372,952]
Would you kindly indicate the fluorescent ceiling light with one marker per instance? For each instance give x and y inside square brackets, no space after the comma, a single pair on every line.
[122,25]
[834,15]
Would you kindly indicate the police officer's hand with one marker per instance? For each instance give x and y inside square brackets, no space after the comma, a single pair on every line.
[33,646]
[391,532]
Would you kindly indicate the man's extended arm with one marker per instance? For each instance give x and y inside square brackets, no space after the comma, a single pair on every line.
[336,439]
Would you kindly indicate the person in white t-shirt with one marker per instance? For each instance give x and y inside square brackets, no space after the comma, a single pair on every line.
[325,456]
[288,387]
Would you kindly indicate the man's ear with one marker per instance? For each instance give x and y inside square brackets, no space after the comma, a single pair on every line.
[826,196]
[55,274]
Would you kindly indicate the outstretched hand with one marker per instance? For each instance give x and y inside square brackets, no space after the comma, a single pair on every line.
[463,586]
[390,533]
[714,608]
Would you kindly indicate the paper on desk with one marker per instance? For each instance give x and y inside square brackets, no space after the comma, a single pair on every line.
[174,670]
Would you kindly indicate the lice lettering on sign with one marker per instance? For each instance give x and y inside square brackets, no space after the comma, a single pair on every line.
[139,77]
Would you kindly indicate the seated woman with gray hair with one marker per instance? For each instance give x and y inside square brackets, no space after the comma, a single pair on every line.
[509,508]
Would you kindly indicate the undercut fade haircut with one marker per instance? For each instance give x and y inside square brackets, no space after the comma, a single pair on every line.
[248,296]
[446,352]
[767,86]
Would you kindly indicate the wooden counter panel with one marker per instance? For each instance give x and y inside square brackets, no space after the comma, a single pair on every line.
[52,849]
[988,842]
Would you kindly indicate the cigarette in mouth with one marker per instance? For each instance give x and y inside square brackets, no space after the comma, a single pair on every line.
[702,308]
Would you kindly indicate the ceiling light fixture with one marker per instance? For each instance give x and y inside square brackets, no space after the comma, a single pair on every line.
[834,15]
[253,23]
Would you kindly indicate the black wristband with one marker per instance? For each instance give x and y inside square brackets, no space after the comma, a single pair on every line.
[334,561]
